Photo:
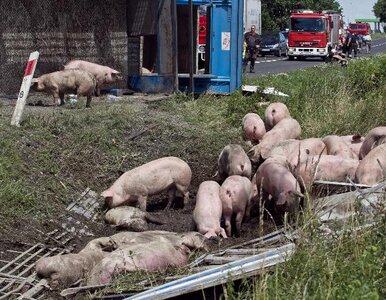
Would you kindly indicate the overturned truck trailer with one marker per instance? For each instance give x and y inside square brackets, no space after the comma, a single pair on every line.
[163,41]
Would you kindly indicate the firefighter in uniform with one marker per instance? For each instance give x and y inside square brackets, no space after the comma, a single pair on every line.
[252,43]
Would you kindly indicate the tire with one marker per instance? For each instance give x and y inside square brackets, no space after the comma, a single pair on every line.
[278,54]
[291,57]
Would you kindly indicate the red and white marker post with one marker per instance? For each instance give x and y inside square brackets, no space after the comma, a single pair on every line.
[24,89]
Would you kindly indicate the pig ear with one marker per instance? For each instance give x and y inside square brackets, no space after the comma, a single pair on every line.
[107,194]
[116,74]
[296,193]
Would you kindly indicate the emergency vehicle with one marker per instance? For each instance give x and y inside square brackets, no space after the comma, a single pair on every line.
[313,33]
[359,28]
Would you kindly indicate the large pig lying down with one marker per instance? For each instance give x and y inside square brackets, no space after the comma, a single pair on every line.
[104,258]
[59,83]
[208,210]
[285,129]
[374,137]
[295,151]
[233,161]
[130,218]
[326,167]
[235,195]
[103,74]
[134,186]
[372,168]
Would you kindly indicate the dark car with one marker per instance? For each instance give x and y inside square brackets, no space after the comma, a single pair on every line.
[273,43]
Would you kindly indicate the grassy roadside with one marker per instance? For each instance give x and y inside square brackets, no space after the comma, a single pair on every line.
[58,152]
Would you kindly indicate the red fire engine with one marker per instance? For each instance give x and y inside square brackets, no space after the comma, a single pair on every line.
[359,28]
[312,33]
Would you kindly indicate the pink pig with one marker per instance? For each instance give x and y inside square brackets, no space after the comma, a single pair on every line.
[253,127]
[103,74]
[64,82]
[286,129]
[274,113]
[233,161]
[336,145]
[374,137]
[235,195]
[354,142]
[208,210]
[134,186]
[275,179]
[326,167]
[372,168]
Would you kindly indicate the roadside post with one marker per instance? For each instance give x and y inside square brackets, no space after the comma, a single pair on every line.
[24,89]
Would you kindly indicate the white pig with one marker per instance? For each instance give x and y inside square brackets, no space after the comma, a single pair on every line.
[233,161]
[59,83]
[134,186]
[274,113]
[253,127]
[287,128]
[336,145]
[372,167]
[374,137]
[208,210]
[103,74]
[275,179]
[235,195]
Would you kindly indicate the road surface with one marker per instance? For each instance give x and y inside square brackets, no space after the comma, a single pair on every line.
[271,64]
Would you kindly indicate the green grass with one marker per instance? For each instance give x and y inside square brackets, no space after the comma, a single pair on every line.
[58,152]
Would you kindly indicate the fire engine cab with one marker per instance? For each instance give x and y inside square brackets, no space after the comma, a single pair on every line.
[313,33]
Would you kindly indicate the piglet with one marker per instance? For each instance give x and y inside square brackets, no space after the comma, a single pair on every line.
[59,83]
[134,186]
[235,195]
[208,210]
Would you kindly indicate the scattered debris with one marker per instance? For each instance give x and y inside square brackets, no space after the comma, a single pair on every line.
[249,89]
[86,205]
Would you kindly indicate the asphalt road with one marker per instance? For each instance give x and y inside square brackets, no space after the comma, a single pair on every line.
[272,65]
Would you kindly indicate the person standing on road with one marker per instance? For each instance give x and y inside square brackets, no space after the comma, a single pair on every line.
[367,42]
[353,45]
[252,42]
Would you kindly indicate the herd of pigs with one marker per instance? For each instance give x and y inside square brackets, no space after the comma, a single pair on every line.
[286,167]
[79,77]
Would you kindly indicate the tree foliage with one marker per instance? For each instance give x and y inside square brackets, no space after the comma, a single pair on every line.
[379,10]
[275,13]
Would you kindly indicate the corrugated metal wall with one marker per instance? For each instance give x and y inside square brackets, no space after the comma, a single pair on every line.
[60,30]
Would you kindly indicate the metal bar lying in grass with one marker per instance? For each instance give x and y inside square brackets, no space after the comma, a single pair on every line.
[232,271]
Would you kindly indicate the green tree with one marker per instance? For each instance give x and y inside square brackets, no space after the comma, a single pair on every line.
[275,13]
[379,10]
